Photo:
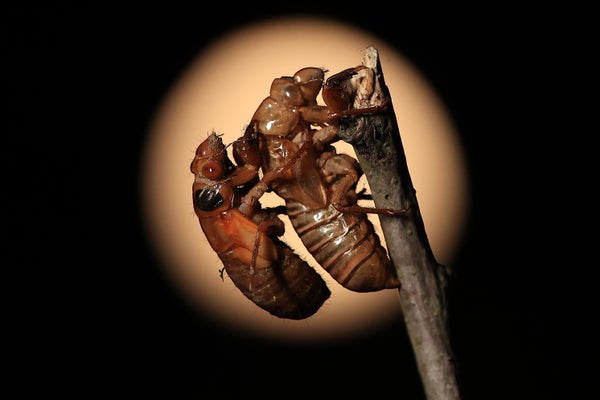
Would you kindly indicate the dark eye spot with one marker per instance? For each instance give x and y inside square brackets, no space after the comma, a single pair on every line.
[208,200]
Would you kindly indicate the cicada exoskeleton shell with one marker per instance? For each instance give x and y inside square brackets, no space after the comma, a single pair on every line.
[319,189]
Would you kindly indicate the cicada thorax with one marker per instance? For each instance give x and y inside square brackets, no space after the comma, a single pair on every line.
[262,267]
[300,180]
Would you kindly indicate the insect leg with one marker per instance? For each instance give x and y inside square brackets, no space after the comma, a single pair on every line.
[267,223]
[247,157]
[345,172]
[262,186]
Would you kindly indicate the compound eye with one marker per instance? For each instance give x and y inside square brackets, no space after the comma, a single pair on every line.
[309,74]
[212,170]
[283,90]
[208,199]
[309,80]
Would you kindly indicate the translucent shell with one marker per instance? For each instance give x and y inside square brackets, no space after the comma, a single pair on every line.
[274,118]
[309,80]
[285,91]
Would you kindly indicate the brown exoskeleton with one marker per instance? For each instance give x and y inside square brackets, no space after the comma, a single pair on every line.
[245,236]
[319,188]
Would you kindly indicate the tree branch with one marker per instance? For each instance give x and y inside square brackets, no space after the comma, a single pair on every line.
[378,146]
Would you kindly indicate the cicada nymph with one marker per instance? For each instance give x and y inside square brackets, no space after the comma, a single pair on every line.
[246,237]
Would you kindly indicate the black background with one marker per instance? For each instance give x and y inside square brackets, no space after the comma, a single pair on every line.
[90,310]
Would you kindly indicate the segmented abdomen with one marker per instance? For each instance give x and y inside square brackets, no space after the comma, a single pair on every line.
[345,245]
[288,288]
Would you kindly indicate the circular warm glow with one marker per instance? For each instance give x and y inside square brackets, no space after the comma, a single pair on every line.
[220,91]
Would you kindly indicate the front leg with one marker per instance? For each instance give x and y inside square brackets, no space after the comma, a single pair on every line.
[280,172]
[268,224]
[246,154]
